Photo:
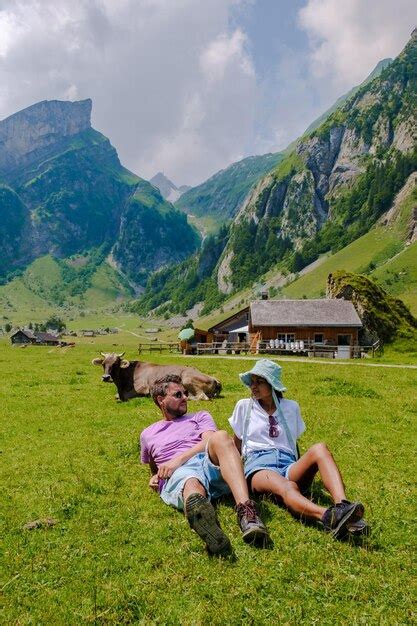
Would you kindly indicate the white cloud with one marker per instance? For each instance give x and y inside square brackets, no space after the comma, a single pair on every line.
[349,37]
[172,85]
[226,52]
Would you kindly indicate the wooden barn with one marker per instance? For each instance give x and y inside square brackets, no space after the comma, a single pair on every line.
[27,336]
[23,336]
[320,322]
[325,327]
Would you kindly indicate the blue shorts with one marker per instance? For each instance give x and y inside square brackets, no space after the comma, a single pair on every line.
[279,461]
[203,469]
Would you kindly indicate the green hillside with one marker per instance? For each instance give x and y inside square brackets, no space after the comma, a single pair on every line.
[398,276]
[221,195]
[340,101]
[65,287]
[384,253]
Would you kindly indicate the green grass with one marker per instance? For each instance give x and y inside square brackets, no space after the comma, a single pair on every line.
[119,555]
[399,276]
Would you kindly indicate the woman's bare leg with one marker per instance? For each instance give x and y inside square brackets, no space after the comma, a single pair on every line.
[318,458]
[267,481]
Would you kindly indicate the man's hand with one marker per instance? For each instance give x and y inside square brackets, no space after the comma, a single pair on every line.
[167,469]
[154,482]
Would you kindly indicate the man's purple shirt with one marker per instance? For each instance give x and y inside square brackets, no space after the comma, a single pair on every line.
[166,439]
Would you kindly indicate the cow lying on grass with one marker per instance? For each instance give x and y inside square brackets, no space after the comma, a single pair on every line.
[135,378]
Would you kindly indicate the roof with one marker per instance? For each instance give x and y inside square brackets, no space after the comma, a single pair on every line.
[25,331]
[227,324]
[46,337]
[324,312]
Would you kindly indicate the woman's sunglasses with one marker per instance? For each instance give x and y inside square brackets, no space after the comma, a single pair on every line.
[273,426]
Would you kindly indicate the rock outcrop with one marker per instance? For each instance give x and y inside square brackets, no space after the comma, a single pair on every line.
[30,134]
[382,316]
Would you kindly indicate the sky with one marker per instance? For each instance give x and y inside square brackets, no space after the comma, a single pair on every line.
[188,87]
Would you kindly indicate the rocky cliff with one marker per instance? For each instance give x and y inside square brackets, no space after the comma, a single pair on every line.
[30,134]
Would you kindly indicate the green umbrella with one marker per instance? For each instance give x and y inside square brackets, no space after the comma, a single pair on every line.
[185,334]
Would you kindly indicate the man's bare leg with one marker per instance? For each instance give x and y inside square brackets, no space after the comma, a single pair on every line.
[193,486]
[224,454]
[202,518]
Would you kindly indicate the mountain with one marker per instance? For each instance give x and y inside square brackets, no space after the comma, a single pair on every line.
[221,195]
[325,195]
[379,68]
[64,192]
[334,185]
[167,188]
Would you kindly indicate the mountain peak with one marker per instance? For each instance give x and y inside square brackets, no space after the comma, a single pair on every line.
[167,188]
[38,127]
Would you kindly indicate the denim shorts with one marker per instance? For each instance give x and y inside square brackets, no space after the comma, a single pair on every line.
[279,461]
[203,469]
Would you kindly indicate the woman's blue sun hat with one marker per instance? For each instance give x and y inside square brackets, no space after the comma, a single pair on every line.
[265,369]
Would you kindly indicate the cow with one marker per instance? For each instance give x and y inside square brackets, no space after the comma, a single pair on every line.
[135,378]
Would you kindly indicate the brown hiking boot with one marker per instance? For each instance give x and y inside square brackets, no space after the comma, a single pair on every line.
[252,527]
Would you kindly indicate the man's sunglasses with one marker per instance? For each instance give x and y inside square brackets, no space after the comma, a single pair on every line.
[179,394]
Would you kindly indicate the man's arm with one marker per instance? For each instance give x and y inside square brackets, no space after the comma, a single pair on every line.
[165,470]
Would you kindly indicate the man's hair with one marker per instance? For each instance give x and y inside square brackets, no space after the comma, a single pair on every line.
[159,388]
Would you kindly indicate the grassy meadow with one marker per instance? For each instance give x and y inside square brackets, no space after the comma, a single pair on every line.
[117,554]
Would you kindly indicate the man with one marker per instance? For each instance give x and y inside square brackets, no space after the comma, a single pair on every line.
[192,462]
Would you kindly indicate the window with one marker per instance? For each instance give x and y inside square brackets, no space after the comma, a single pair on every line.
[344,340]
[286,337]
[318,338]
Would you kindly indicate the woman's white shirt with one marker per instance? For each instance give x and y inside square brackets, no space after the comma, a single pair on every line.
[257,436]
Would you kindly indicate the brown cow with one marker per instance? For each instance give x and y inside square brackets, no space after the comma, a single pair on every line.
[135,378]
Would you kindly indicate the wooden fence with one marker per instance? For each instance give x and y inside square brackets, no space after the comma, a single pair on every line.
[296,348]
[159,347]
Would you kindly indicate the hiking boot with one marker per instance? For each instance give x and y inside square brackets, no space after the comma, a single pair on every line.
[359,528]
[338,517]
[202,518]
[252,527]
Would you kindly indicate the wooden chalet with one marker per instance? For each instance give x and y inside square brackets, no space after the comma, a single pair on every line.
[325,327]
[26,336]
[320,322]
[23,336]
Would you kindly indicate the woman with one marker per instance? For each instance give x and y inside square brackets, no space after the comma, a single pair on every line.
[266,428]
